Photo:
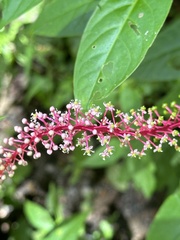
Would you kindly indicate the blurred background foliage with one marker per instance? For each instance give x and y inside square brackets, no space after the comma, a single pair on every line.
[62,196]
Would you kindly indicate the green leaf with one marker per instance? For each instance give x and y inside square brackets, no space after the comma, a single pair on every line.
[21,174]
[38,216]
[107,229]
[52,202]
[144,180]
[131,91]
[76,27]
[163,58]
[119,176]
[140,172]
[175,160]
[166,223]
[57,14]
[114,43]
[172,94]
[14,8]
[52,199]
[69,229]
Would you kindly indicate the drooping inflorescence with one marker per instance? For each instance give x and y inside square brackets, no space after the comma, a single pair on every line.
[144,125]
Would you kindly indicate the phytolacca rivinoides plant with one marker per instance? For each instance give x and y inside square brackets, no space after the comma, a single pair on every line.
[144,125]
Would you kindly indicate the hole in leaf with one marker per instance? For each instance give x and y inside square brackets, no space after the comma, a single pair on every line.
[134,27]
[100,80]
[140,15]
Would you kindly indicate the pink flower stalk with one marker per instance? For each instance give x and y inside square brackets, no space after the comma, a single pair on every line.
[143,125]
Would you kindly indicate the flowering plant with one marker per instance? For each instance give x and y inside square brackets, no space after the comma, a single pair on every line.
[145,126]
[116,36]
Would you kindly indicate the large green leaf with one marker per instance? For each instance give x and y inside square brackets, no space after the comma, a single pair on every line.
[167,221]
[14,8]
[56,15]
[114,43]
[163,58]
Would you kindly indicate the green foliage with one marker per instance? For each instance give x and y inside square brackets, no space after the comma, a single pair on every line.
[115,37]
[117,46]
[141,173]
[52,200]
[48,227]
[13,9]
[38,216]
[163,57]
[63,18]
[166,223]
[70,229]
[106,228]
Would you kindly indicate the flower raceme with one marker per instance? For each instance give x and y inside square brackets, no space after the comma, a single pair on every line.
[144,125]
